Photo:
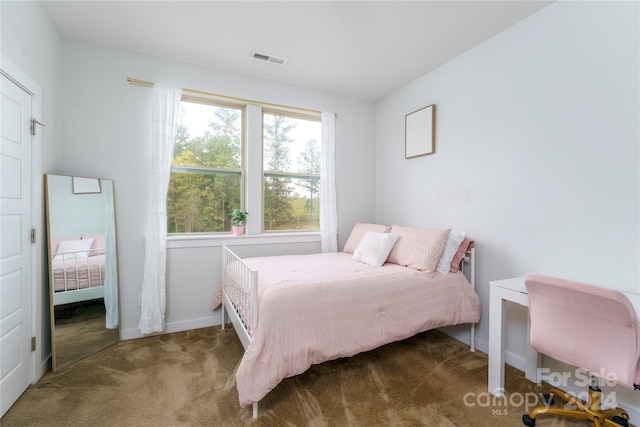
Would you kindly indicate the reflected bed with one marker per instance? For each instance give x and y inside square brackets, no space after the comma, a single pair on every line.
[78,269]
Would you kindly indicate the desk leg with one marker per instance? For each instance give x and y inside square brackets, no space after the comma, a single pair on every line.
[533,359]
[496,342]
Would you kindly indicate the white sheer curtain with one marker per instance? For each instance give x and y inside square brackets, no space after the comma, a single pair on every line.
[166,103]
[328,208]
[110,271]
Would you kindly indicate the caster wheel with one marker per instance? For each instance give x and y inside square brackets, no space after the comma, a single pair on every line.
[528,421]
[620,420]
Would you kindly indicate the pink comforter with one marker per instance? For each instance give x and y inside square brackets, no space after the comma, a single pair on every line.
[314,308]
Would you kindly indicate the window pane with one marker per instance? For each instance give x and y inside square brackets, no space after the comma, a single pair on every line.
[206,175]
[208,135]
[291,162]
[201,203]
[291,203]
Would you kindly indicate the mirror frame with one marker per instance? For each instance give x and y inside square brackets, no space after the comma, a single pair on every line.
[89,185]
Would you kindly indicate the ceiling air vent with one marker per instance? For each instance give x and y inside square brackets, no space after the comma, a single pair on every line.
[268,58]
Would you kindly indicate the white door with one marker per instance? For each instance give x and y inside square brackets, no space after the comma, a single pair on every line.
[15,247]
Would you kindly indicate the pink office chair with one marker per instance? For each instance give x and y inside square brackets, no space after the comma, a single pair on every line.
[592,328]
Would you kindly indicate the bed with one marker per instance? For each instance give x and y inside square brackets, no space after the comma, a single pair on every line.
[293,311]
[78,269]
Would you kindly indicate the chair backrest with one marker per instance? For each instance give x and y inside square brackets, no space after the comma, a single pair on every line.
[585,326]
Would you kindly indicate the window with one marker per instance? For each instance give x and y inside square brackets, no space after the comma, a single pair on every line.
[206,172]
[291,172]
[210,175]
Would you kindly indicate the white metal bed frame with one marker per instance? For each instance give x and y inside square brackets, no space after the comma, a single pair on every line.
[234,301]
[68,296]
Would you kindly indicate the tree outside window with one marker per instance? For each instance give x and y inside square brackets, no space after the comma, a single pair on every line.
[206,171]
[291,171]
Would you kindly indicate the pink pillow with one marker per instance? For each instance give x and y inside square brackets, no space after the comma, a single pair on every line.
[466,244]
[418,248]
[374,248]
[358,232]
[97,248]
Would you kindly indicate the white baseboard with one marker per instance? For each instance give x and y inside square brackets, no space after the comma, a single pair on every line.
[205,322]
[462,333]
[43,368]
[511,359]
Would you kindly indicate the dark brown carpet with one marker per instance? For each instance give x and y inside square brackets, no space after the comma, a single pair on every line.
[80,331]
[187,379]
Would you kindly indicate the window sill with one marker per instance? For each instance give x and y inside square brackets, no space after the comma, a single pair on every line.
[214,240]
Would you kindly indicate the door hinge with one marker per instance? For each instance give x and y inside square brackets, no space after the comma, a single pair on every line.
[35,122]
[33,235]
[33,343]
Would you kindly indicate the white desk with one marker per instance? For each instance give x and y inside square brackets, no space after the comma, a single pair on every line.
[514,290]
[501,291]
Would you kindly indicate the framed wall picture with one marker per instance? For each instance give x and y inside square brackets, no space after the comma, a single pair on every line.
[86,185]
[420,132]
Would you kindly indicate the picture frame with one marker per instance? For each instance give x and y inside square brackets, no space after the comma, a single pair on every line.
[419,132]
[86,185]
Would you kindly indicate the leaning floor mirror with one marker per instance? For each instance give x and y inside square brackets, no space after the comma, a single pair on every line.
[83,271]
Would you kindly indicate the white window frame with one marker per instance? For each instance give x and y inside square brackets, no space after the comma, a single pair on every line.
[212,101]
[251,191]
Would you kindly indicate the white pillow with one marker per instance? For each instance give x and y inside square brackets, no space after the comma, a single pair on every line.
[454,240]
[374,248]
[73,249]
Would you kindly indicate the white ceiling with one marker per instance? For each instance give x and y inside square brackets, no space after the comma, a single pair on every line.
[365,49]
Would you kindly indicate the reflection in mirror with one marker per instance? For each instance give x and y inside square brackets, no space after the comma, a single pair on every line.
[82,267]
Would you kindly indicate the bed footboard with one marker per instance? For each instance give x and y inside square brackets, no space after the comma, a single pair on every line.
[239,295]
[76,276]
[240,299]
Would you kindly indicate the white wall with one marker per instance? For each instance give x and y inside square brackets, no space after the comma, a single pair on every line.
[73,215]
[537,152]
[107,135]
[32,44]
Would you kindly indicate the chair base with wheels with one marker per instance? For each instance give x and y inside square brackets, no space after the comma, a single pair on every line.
[591,411]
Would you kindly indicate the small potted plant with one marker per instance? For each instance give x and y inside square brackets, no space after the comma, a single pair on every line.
[238,218]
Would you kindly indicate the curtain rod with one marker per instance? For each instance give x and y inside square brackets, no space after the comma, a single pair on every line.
[248,101]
